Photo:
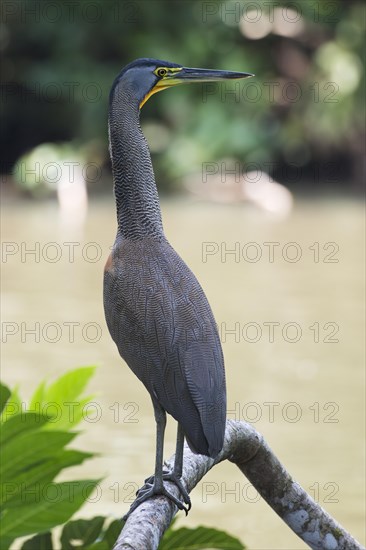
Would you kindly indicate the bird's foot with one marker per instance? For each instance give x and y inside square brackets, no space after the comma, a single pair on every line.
[170,475]
[151,489]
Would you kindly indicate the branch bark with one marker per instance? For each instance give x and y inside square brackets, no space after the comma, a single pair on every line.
[246,448]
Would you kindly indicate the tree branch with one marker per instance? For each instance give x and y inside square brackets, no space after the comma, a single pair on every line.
[246,448]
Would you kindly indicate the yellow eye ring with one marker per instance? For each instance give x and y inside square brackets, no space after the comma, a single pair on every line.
[161,72]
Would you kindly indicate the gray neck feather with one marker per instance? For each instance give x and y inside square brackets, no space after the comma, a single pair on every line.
[138,208]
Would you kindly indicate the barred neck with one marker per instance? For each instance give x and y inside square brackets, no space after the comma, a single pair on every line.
[137,200]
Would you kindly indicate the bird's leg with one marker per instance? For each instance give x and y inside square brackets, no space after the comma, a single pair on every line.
[160,418]
[176,474]
[155,485]
[178,460]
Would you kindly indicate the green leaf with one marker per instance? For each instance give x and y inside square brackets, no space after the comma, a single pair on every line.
[90,535]
[69,386]
[5,542]
[63,398]
[199,538]
[12,407]
[32,456]
[14,491]
[112,532]
[15,425]
[30,448]
[84,531]
[69,413]
[37,397]
[39,542]
[55,507]
[4,396]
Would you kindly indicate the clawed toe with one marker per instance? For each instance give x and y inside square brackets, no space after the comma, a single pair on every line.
[171,476]
[150,489]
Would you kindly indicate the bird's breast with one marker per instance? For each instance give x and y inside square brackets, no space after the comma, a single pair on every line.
[150,293]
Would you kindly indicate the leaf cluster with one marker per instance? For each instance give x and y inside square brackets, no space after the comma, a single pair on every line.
[34,451]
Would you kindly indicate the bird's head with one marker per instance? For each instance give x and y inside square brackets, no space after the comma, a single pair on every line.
[146,76]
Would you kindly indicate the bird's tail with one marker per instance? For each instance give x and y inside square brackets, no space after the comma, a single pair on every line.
[207,436]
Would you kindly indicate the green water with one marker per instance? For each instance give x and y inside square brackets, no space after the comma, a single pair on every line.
[292,326]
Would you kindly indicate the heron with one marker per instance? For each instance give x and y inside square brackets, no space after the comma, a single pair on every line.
[155,309]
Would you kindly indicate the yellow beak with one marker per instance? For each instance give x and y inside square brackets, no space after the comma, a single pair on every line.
[185,74]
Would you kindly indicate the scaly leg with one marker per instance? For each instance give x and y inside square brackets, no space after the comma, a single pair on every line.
[176,475]
[155,485]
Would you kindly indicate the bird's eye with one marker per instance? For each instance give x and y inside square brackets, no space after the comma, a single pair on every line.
[161,72]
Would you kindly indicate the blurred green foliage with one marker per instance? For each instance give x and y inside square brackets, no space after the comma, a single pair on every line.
[303,110]
[33,453]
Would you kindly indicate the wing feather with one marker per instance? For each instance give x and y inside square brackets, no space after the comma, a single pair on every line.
[164,328]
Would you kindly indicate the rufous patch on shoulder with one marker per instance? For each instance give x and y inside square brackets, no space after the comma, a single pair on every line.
[109,263]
